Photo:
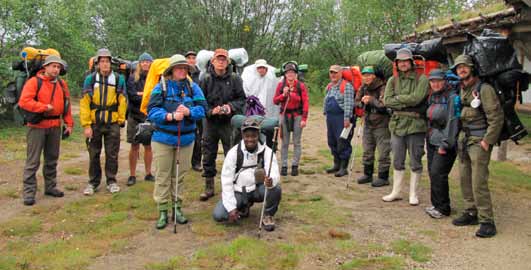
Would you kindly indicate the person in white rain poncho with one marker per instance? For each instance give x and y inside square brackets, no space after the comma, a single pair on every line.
[259,80]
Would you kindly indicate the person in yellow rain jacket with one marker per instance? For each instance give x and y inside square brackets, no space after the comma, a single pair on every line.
[102,113]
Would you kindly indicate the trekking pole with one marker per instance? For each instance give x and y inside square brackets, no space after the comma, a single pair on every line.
[356,141]
[177,157]
[273,151]
[283,115]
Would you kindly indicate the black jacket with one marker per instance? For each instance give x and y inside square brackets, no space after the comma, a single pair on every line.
[219,90]
[134,100]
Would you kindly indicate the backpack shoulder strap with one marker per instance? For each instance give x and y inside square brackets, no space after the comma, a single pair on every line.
[342,86]
[239,157]
[39,85]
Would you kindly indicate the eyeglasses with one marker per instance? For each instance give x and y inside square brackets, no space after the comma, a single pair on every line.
[332,72]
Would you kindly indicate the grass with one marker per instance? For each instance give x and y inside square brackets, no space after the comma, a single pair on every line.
[108,222]
[240,253]
[9,192]
[74,171]
[384,262]
[417,251]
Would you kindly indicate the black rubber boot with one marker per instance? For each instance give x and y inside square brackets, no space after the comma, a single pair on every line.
[367,174]
[382,180]
[335,168]
[343,168]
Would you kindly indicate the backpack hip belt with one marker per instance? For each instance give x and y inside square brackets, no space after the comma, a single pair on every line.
[406,113]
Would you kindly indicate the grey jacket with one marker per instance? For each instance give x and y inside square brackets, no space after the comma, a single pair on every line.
[443,121]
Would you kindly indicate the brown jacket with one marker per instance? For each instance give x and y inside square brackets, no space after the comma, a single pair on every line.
[376,115]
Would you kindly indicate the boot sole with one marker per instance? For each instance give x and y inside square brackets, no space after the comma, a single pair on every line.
[394,200]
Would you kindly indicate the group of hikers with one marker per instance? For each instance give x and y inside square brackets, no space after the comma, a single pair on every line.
[192,113]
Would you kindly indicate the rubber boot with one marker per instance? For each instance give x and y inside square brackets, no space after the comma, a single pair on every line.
[398,178]
[177,214]
[343,168]
[209,189]
[335,168]
[162,222]
[367,174]
[413,186]
[382,180]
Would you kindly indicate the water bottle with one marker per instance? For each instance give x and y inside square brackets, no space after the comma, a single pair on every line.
[457,106]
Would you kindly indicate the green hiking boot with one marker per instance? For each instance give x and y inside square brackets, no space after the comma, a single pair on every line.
[162,222]
[178,214]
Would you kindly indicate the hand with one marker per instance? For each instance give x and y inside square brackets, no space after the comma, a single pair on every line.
[179,116]
[268,182]
[140,93]
[484,145]
[441,151]
[88,132]
[234,215]
[346,123]
[183,109]
[216,110]
[285,91]
[303,124]
[68,131]
[49,107]
[227,109]
[366,99]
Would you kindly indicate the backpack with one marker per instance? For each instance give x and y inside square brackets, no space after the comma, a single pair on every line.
[512,126]
[35,118]
[353,76]
[239,162]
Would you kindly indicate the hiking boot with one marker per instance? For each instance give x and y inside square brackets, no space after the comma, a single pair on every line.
[149,178]
[334,168]
[163,216]
[209,189]
[367,175]
[466,219]
[343,168]
[486,230]
[177,214]
[294,170]
[245,212]
[284,171]
[268,223]
[113,188]
[434,213]
[197,168]
[29,201]
[54,192]
[382,180]
[89,190]
[131,180]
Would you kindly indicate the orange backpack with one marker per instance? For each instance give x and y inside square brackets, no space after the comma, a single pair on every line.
[352,75]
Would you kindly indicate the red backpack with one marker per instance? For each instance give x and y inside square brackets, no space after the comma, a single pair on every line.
[352,75]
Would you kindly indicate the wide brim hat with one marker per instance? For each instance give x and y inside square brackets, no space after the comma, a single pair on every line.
[54,59]
[178,60]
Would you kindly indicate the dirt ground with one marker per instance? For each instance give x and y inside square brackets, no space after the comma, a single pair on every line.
[370,221]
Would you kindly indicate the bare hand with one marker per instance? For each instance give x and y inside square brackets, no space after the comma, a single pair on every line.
[183,109]
[68,131]
[234,215]
[140,93]
[484,145]
[366,99]
[216,110]
[303,124]
[49,107]
[285,90]
[178,116]
[227,109]
[268,182]
[346,123]
[88,132]
[441,151]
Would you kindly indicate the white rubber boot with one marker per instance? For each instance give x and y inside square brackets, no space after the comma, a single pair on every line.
[398,178]
[413,185]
